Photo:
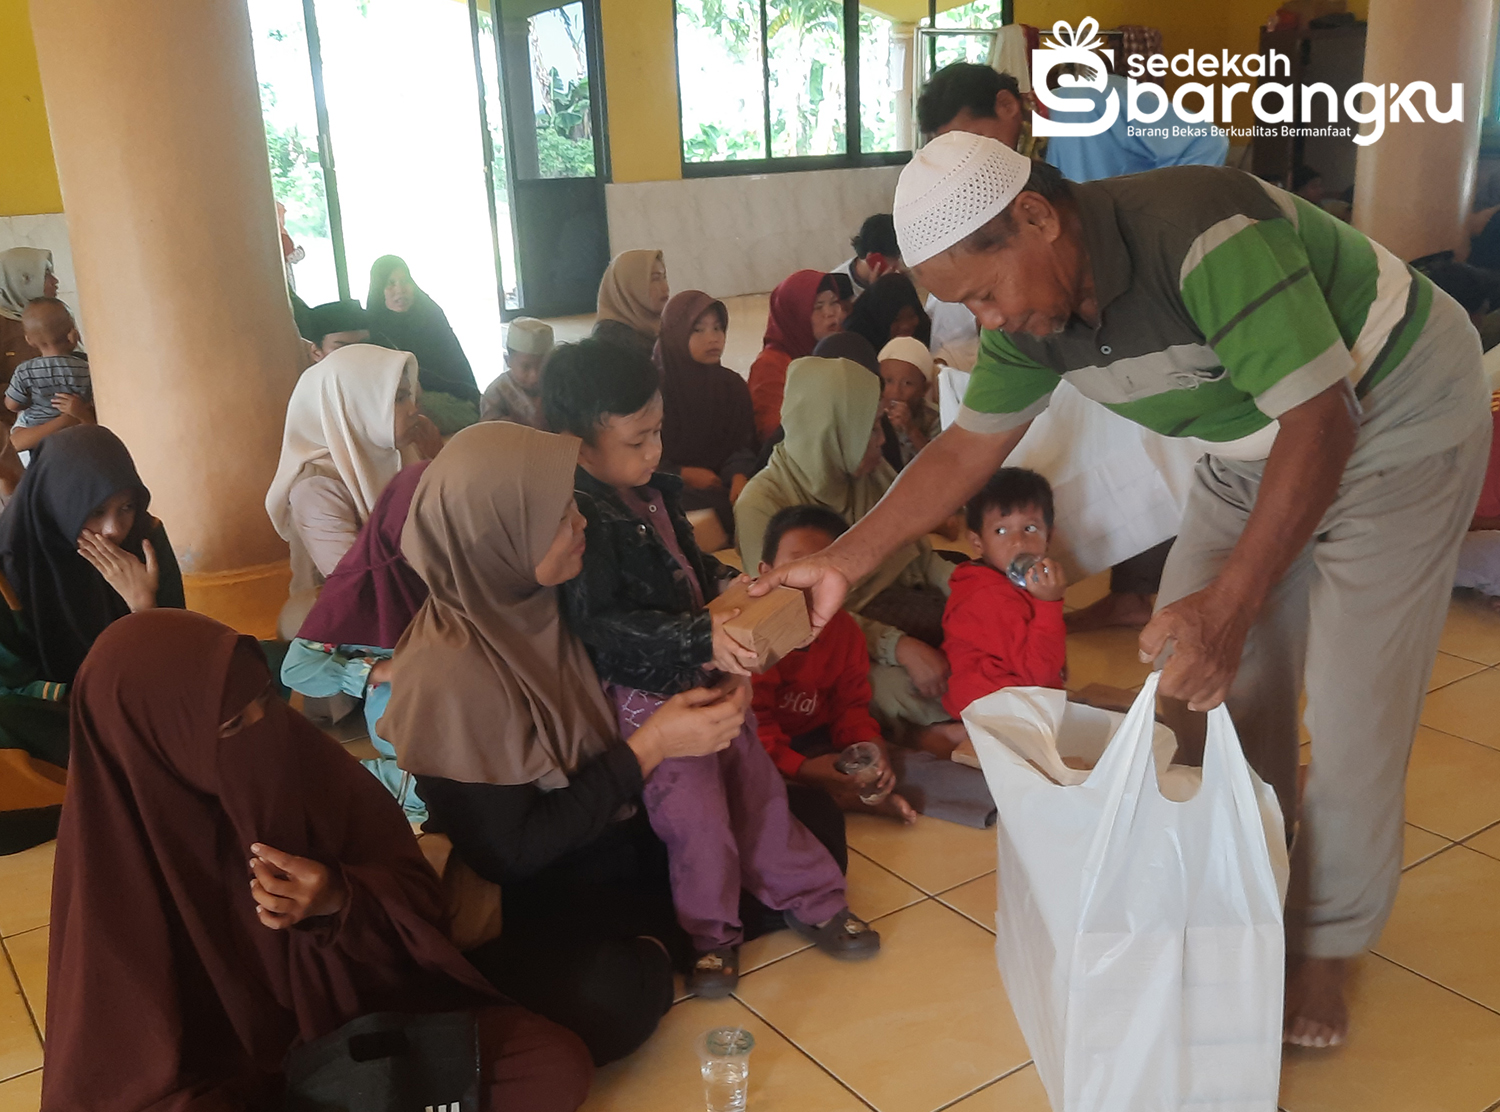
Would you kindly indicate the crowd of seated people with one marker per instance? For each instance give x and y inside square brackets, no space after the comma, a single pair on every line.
[506,595]
[531,546]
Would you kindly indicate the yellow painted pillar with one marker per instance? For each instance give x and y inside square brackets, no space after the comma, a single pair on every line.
[161,156]
[1414,186]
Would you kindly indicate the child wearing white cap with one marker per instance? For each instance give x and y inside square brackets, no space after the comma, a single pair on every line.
[516,395]
[906,371]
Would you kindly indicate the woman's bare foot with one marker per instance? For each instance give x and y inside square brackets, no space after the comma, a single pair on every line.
[894,806]
[1316,1012]
[1129,610]
[940,740]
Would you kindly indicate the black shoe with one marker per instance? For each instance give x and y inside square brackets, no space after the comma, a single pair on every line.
[716,973]
[845,936]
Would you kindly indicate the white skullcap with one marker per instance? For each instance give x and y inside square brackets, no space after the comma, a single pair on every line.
[911,350]
[529,336]
[951,187]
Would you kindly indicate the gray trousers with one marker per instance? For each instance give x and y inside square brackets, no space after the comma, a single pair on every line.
[1356,619]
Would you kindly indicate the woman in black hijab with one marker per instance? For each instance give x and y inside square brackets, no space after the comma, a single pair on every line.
[408,320]
[79,549]
[889,308]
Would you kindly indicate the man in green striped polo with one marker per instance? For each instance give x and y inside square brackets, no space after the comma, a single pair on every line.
[1342,412]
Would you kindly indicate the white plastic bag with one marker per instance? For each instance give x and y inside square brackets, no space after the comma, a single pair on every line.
[1140,939]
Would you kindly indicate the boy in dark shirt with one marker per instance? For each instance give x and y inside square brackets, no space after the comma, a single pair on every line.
[639,605]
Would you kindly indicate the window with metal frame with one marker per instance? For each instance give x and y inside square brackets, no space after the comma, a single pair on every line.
[768,85]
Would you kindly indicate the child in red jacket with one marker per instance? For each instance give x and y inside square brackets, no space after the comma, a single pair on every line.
[815,702]
[995,633]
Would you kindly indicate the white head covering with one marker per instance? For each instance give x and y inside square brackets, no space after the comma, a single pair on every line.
[23,276]
[952,187]
[528,336]
[343,411]
[911,350]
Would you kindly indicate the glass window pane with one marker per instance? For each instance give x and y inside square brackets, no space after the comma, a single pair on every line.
[403,118]
[805,41]
[884,98]
[979,13]
[720,77]
[494,116]
[956,48]
[560,93]
[291,119]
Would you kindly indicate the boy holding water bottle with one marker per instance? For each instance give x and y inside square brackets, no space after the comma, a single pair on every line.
[1003,625]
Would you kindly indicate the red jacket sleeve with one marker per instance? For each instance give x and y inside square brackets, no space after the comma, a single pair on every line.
[777,741]
[996,639]
[851,720]
[767,385]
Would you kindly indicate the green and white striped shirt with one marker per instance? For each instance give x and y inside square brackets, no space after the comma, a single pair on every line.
[1224,302]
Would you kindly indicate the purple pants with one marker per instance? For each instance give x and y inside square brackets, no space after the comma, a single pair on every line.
[726,825]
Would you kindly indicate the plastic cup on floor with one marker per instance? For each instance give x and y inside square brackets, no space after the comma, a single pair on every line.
[724,1053]
[862,761]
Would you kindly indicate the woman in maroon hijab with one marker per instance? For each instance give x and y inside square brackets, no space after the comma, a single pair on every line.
[343,651]
[179,976]
[804,309]
[708,427]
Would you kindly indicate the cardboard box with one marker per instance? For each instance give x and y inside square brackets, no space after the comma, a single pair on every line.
[773,625]
[965,754]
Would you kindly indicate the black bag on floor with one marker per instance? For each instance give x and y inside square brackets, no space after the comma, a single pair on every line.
[389,1062]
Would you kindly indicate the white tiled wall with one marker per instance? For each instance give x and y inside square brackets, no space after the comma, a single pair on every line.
[744,234]
[49,230]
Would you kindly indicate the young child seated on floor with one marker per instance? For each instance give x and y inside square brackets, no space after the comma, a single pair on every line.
[815,702]
[639,607]
[52,391]
[516,395]
[905,373]
[995,633]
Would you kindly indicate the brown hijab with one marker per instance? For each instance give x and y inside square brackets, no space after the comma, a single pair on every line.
[625,291]
[164,991]
[488,686]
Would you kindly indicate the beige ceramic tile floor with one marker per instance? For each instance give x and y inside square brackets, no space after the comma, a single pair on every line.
[926,1026]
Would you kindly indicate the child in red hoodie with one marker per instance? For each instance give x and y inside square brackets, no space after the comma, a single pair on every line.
[815,702]
[996,634]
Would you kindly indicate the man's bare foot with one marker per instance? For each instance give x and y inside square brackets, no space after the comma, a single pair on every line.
[896,807]
[1131,611]
[1316,1013]
[940,740]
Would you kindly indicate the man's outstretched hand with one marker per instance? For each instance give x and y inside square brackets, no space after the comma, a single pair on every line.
[819,576]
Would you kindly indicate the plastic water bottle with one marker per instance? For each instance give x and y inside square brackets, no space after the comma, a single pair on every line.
[725,1056]
[1022,564]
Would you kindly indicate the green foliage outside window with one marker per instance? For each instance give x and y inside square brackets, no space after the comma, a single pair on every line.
[296,174]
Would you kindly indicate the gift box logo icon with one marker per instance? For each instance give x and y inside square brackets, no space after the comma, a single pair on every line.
[1082,48]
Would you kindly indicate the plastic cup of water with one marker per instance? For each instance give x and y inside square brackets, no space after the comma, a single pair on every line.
[725,1056]
[862,761]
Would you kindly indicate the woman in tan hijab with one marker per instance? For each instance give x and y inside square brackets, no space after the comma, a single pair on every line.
[497,710]
[632,295]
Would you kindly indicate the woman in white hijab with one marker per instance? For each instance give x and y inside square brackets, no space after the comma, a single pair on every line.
[351,423]
[25,275]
